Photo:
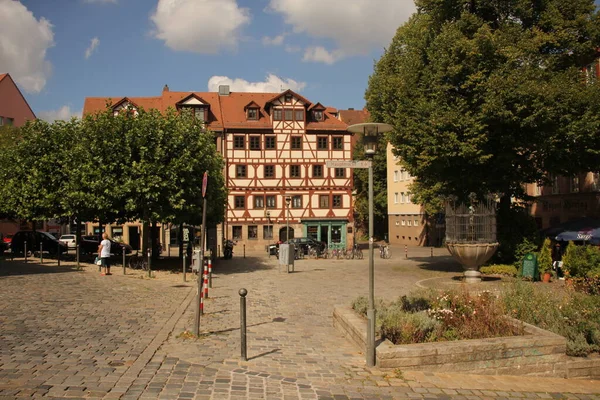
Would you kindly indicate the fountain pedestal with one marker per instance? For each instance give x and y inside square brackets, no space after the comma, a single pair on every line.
[472,256]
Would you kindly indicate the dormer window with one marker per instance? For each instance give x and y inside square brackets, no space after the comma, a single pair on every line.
[194,104]
[318,115]
[198,112]
[288,98]
[252,114]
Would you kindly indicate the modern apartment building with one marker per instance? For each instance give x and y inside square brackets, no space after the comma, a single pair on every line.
[407,221]
[275,146]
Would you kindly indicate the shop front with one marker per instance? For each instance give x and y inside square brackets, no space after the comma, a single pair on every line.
[327,231]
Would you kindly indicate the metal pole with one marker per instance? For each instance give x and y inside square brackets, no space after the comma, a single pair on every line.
[58,251]
[371,309]
[150,261]
[41,253]
[210,271]
[77,256]
[199,280]
[243,292]
[25,251]
[124,271]
[184,278]
[244,250]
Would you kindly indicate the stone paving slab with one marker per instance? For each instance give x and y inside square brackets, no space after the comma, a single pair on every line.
[75,334]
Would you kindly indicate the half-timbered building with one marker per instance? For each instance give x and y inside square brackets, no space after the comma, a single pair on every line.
[276,146]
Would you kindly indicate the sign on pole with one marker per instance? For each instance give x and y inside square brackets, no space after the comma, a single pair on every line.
[348,164]
[204,183]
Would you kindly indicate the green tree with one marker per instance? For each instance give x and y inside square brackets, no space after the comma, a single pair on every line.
[168,155]
[488,95]
[33,171]
[361,185]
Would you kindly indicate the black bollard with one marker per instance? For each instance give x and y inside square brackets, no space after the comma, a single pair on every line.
[243,292]
[124,252]
[149,262]
[77,256]
[244,251]
[25,251]
[58,251]
[41,253]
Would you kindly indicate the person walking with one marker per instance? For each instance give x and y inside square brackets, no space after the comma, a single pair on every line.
[557,253]
[104,254]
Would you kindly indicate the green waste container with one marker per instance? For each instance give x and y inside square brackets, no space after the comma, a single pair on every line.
[530,267]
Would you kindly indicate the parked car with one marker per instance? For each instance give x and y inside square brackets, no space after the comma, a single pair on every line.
[33,238]
[305,242]
[69,240]
[89,245]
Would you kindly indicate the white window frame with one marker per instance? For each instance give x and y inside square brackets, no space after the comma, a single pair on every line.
[395,197]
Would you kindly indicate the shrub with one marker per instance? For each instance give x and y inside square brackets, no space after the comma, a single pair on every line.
[572,315]
[401,327]
[499,269]
[545,257]
[525,247]
[581,261]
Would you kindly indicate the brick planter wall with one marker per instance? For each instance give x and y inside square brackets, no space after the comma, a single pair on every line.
[538,352]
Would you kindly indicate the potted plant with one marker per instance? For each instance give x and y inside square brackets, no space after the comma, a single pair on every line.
[545,261]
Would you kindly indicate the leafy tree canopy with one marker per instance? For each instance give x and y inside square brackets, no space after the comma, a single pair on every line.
[486,95]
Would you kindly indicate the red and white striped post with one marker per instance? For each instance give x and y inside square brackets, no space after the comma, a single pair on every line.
[201,303]
[206,281]
[210,272]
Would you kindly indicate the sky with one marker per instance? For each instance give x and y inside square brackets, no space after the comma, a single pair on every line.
[61,51]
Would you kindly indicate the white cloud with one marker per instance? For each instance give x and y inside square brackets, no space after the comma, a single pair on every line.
[273,83]
[320,54]
[24,41]
[90,50]
[200,26]
[356,27]
[273,41]
[64,113]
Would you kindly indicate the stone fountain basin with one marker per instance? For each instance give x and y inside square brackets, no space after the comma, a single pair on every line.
[472,255]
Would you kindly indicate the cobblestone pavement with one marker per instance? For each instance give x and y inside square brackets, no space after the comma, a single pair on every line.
[77,334]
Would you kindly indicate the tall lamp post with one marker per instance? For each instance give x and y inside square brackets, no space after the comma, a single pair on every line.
[288,200]
[370,131]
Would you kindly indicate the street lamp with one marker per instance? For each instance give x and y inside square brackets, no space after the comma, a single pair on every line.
[370,131]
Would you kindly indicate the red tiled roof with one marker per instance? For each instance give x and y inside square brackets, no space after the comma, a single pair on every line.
[352,117]
[225,111]
[2,76]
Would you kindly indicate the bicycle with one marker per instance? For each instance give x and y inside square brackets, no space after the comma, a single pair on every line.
[355,252]
[138,261]
[335,251]
[315,252]
[384,251]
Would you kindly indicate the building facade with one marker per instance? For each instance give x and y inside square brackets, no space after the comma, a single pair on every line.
[407,222]
[15,111]
[275,147]
[565,199]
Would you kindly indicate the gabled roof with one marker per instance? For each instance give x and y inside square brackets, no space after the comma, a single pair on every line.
[226,112]
[194,96]
[318,106]
[252,104]
[7,75]
[280,95]
[123,101]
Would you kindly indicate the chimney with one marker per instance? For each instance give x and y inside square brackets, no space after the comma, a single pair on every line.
[166,88]
[351,109]
[224,90]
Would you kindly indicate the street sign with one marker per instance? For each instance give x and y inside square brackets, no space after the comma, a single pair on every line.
[186,235]
[347,164]
[204,183]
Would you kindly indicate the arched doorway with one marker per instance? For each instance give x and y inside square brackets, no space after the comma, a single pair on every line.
[283,236]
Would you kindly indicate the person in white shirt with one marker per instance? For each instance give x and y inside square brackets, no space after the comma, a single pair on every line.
[104,254]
